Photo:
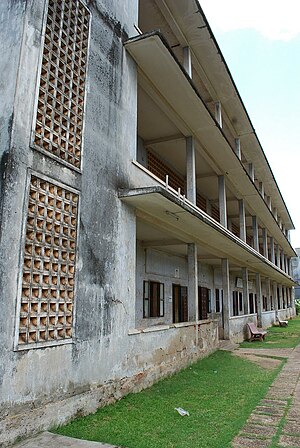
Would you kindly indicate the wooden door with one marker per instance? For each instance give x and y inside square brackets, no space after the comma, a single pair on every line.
[180,304]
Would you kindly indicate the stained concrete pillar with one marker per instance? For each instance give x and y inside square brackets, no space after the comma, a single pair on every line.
[259,299]
[268,292]
[187,61]
[245,290]
[251,171]
[272,247]
[226,296]
[243,234]
[191,192]
[218,113]
[193,282]
[275,298]
[222,201]
[237,148]
[265,242]
[255,233]
[277,255]
[261,189]
[282,260]
[280,297]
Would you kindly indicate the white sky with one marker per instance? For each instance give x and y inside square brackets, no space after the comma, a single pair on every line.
[274,19]
[260,40]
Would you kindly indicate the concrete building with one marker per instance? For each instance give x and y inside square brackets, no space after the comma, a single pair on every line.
[296,273]
[140,219]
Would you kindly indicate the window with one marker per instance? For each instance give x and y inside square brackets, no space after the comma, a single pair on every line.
[58,127]
[203,302]
[241,301]
[219,299]
[235,303]
[265,303]
[47,293]
[153,298]
[251,303]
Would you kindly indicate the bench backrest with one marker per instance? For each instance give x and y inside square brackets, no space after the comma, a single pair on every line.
[252,328]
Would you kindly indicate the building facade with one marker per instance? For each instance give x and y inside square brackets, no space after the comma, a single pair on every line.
[296,273]
[140,220]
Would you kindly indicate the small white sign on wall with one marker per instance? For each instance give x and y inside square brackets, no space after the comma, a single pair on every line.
[177,273]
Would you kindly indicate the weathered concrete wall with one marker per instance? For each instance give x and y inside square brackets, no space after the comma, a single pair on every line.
[268,318]
[238,330]
[105,290]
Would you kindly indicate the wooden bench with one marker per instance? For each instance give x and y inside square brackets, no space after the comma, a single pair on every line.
[283,323]
[255,333]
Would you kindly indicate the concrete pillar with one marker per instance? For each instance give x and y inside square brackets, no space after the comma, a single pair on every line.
[288,235]
[243,233]
[226,296]
[187,61]
[251,171]
[265,242]
[282,259]
[277,255]
[275,213]
[222,201]
[275,298]
[286,264]
[272,249]
[255,233]
[288,297]
[280,296]
[261,189]
[245,290]
[269,202]
[193,282]
[218,113]
[237,148]
[259,299]
[191,192]
[268,292]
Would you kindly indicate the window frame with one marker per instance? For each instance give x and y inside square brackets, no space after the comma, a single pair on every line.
[148,309]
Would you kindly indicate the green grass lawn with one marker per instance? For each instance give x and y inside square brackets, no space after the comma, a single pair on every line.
[219,392]
[279,337]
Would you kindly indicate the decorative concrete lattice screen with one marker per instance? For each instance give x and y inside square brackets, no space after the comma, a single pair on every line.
[58,128]
[49,264]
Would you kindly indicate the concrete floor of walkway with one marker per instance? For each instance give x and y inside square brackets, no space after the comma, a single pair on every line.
[273,423]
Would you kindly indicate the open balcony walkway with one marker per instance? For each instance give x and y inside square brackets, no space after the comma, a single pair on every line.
[274,423]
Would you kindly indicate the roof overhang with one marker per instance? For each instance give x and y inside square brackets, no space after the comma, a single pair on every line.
[194,226]
[158,64]
[195,30]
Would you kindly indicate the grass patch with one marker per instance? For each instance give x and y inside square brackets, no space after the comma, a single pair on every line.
[279,337]
[219,392]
